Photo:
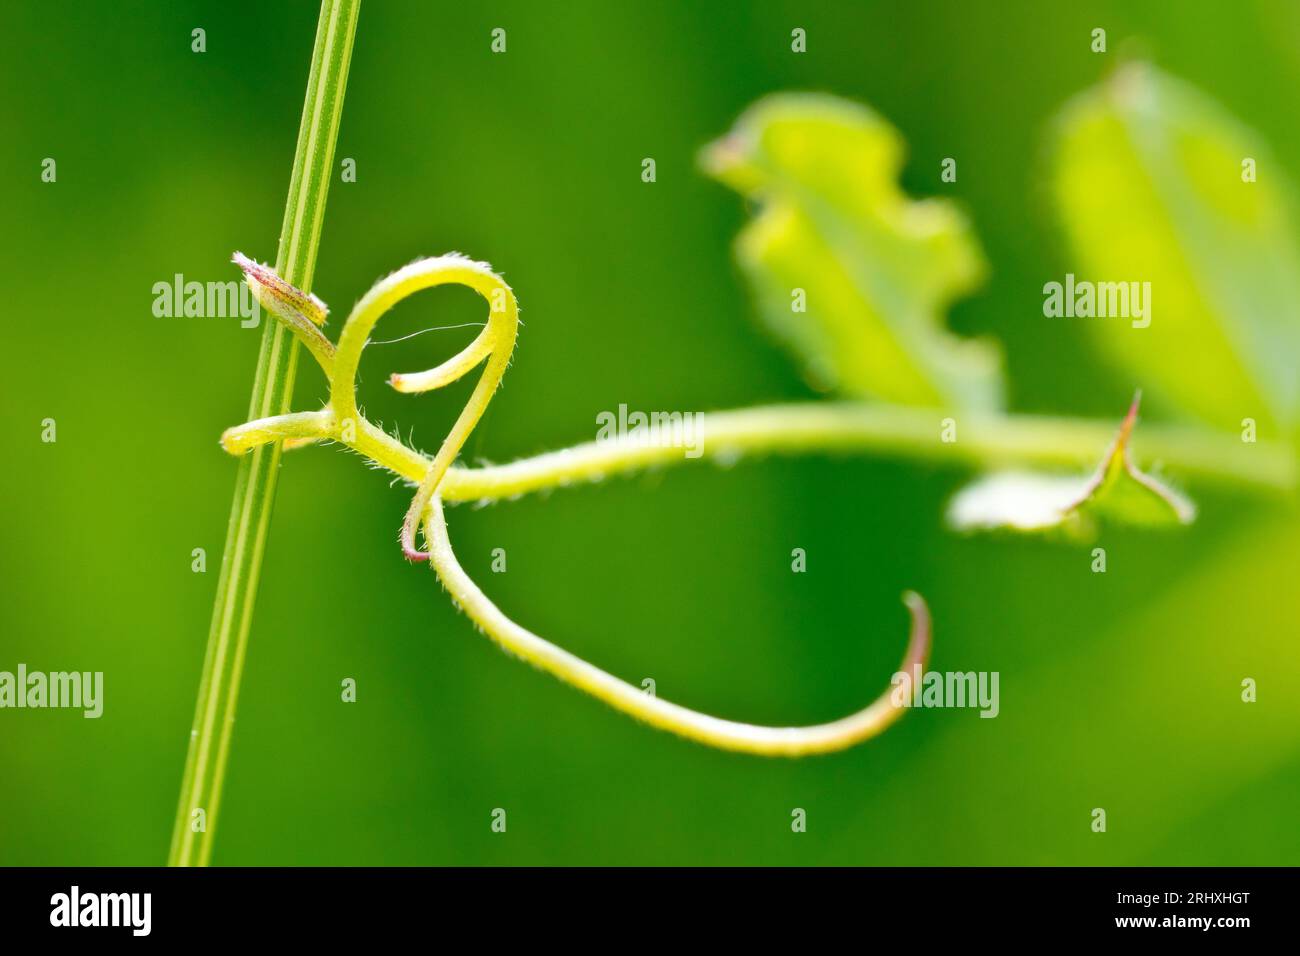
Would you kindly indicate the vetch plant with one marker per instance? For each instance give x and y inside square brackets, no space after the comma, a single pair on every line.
[853,277]
[1118,488]
[341,421]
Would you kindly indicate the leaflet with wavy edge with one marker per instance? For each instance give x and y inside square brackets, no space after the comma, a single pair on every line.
[850,274]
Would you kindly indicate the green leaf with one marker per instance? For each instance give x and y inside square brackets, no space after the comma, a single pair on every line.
[1027,501]
[1148,175]
[877,269]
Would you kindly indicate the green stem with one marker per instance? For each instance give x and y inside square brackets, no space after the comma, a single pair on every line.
[250,511]
[981,441]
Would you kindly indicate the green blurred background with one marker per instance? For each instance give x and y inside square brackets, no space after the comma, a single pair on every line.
[1118,690]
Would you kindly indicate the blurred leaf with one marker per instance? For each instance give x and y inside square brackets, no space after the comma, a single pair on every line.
[876,267]
[1027,501]
[1148,175]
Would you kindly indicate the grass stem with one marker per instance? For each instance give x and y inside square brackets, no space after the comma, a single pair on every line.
[241,562]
